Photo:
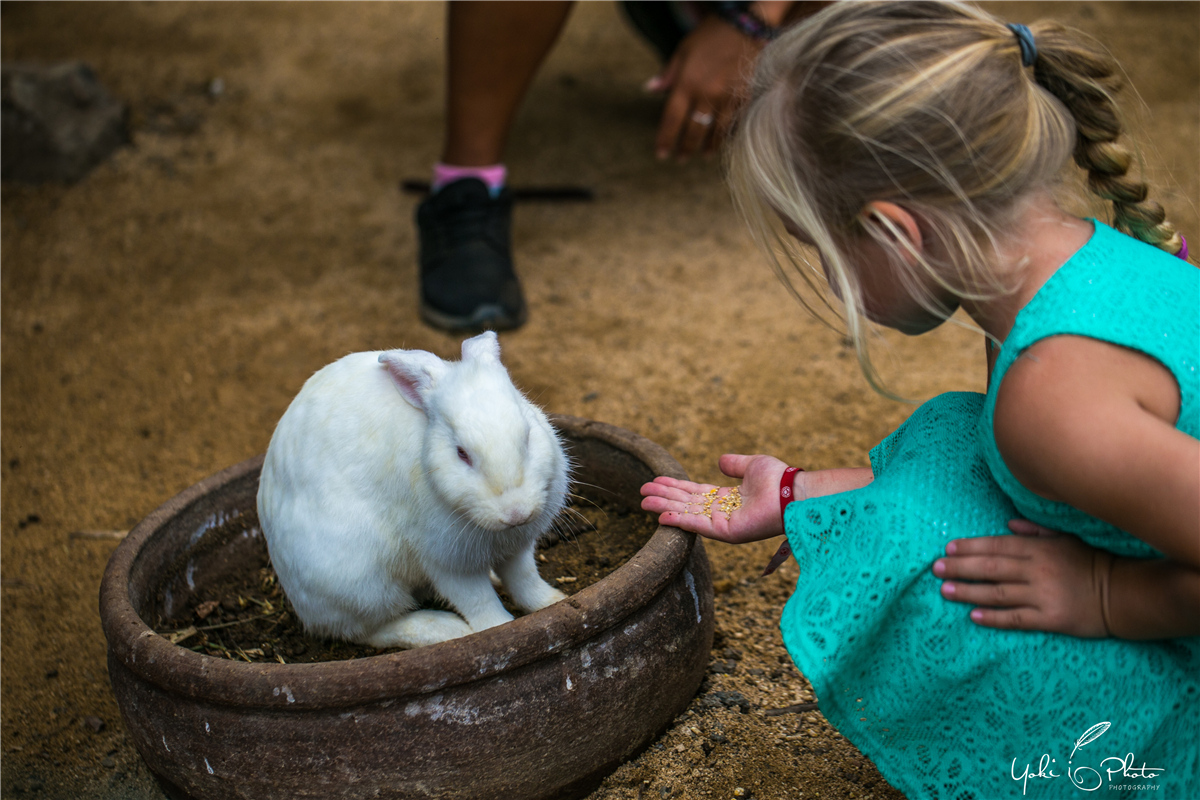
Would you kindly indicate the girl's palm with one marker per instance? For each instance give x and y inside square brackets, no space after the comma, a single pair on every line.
[687,505]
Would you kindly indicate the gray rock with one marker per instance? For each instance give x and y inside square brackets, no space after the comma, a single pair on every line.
[723,667]
[58,122]
[724,700]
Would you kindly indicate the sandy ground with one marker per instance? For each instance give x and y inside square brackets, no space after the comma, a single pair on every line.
[159,316]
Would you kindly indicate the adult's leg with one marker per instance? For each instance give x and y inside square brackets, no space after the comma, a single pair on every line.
[467,275]
[494,50]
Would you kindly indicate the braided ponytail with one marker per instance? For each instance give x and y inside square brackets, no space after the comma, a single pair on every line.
[1085,79]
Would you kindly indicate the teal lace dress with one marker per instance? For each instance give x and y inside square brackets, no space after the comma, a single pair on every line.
[949,709]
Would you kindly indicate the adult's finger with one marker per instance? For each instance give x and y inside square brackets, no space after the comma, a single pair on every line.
[696,131]
[725,116]
[671,126]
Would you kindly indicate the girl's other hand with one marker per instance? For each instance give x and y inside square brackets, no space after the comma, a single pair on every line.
[1038,580]
[681,504]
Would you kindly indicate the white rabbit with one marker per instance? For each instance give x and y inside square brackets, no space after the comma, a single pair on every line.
[394,474]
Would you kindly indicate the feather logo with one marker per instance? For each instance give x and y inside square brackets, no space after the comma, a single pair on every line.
[1090,735]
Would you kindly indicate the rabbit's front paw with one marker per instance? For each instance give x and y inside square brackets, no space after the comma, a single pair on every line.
[546,595]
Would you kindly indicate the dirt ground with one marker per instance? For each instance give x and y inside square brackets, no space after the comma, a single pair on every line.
[159,315]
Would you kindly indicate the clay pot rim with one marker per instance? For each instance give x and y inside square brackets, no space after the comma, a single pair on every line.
[528,638]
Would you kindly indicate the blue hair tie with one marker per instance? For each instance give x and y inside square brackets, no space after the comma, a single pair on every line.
[1025,40]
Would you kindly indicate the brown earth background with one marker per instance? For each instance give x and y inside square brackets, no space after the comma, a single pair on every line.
[159,315]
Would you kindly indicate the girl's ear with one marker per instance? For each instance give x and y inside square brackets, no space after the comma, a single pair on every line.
[897,224]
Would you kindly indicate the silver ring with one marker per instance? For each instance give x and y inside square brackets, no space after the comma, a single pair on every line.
[701,118]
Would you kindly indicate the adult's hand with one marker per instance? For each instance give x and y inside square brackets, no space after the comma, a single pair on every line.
[705,80]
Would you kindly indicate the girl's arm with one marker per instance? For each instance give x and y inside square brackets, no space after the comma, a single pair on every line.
[1093,425]
[688,505]
[1152,599]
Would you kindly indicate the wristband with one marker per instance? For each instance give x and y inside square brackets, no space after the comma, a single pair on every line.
[787,494]
[738,15]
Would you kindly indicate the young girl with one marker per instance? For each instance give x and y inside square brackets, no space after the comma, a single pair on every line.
[917,147]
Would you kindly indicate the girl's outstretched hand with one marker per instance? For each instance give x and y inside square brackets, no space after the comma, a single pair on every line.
[1038,580]
[697,508]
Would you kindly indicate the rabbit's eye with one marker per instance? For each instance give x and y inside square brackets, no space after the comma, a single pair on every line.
[462,454]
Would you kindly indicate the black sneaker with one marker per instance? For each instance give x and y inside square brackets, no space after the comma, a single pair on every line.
[467,277]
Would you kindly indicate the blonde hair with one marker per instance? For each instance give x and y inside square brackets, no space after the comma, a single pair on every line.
[926,105]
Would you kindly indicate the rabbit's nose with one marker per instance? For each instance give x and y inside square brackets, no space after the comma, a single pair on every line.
[516,515]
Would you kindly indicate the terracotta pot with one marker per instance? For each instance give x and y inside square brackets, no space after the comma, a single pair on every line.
[541,707]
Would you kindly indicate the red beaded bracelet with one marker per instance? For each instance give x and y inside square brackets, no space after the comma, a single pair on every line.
[786,495]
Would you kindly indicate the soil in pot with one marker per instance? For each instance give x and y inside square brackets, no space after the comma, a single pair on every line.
[244,614]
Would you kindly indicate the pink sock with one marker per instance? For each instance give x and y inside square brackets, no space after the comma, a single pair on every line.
[492,176]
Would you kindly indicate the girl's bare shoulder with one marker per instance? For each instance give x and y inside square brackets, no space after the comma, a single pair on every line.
[1067,398]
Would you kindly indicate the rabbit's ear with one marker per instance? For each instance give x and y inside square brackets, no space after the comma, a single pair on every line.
[484,347]
[415,373]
